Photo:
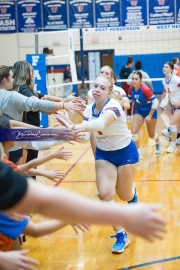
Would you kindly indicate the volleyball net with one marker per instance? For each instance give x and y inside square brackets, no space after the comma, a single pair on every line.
[152,45]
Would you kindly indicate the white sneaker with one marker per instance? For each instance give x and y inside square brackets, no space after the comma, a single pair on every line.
[171,148]
[166,134]
[178,141]
[158,147]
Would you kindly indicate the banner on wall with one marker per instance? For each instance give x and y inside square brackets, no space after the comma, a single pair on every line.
[134,12]
[29,15]
[161,12]
[38,62]
[8,17]
[177,11]
[55,15]
[81,14]
[107,13]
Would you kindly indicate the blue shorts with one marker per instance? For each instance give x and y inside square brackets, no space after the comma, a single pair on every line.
[121,157]
[144,113]
[11,228]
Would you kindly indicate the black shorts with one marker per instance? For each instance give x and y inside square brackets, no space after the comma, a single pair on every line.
[15,156]
[13,187]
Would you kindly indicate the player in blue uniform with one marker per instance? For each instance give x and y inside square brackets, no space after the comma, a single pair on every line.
[146,105]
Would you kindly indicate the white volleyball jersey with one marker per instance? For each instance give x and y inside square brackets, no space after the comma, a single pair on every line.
[116,89]
[172,87]
[115,136]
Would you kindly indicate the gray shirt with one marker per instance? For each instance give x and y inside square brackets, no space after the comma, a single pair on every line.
[14,104]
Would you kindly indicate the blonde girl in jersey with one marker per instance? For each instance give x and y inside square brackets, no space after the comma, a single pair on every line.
[171,85]
[108,72]
[116,155]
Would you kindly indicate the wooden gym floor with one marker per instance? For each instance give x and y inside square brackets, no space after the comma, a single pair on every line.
[157,180]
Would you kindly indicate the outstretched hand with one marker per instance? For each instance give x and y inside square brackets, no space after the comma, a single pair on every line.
[16,260]
[74,105]
[64,134]
[53,174]
[65,155]
[63,119]
[72,97]
[142,220]
[83,227]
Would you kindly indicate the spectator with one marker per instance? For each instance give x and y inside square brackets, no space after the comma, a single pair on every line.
[79,76]
[67,79]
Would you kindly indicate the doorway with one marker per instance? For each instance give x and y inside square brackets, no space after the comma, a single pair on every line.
[94,60]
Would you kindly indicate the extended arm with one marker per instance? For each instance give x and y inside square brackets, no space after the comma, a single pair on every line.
[38,161]
[52,175]
[61,204]
[93,125]
[43,228]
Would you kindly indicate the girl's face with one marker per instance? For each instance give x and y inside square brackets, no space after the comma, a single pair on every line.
[136,80]
[9,82]
[106,71]
[101,89]
[167,69]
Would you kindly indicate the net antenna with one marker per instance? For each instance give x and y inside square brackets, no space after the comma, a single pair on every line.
[51,59]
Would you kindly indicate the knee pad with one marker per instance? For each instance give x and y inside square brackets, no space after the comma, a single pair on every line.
[173,128]
[135,137]
[155,137]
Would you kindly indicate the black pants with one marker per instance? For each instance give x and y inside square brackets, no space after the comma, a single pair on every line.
[32,154]
[15,156]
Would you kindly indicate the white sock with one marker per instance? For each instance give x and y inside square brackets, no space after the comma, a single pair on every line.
[119,231]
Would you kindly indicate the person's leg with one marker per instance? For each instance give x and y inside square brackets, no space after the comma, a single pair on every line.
[124,187]
[32,154]
[151,127]
[16,156]
[137,123]
[106,178]
[79,89]
[126,190]
[68,90]
[25,152]
[173,128]
[85,86]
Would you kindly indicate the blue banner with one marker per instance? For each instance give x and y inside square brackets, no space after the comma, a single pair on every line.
[8,17]
[38,62]
[134,12]
[55,15]
[177,11]
[107,13]
[29,12]
[161,12]
[81,14]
